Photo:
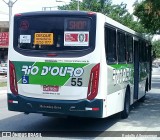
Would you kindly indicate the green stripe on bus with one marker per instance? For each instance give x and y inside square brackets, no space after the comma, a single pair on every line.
[40,72]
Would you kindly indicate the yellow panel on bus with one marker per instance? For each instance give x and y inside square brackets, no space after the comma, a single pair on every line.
[43,39]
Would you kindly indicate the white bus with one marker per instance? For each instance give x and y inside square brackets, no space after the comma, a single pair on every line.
[75,63]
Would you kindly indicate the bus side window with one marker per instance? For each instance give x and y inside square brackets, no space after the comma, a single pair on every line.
[141,51]
[129,48]
[110,45]
[145,51]
[121,46]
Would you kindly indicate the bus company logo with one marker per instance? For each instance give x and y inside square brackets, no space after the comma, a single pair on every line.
[81,37]
[76,38]
[54,71]
[121,75]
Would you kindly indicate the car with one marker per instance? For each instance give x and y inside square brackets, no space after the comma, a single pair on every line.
[3,69]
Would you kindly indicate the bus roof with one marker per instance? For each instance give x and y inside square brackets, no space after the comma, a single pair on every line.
[57,12]
[122,27]
[108,20]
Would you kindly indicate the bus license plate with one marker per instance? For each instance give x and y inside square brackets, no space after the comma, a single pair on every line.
[51,88]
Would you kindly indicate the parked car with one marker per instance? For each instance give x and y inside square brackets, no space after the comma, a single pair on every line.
[3,69]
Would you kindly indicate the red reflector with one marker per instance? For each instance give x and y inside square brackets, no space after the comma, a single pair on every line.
[51,55]
[95,109]
[10,101]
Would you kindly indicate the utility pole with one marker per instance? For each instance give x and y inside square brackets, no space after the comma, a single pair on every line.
[10,5]
[77,5]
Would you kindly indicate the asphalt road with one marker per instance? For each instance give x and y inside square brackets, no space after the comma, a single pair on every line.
[143,117]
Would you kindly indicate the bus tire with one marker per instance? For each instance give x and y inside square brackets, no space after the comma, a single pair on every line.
[126,111]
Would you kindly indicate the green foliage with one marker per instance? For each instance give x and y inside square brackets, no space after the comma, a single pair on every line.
[156,48]
[120,14]
[86,5]
[116,12]
[149,14]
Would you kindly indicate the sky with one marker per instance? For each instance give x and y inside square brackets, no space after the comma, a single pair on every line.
[128,2]
[36,5]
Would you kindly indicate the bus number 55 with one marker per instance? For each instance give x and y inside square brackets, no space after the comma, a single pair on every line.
[76,82]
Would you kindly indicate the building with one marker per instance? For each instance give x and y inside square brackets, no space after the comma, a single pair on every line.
[4,40]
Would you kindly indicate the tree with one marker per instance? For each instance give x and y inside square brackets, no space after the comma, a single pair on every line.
[121,14]
[86,5]
[148,13]
[156,48]
[116,12]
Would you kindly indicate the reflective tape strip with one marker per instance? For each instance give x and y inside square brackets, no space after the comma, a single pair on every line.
[87,108]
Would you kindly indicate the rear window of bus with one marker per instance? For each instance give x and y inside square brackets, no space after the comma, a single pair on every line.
[50,33]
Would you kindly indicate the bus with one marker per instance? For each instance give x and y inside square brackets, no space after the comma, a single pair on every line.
[75,63]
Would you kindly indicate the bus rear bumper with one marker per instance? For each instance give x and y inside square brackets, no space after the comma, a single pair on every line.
[80,108]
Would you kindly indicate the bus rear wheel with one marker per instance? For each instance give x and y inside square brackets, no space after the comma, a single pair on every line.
[126,111]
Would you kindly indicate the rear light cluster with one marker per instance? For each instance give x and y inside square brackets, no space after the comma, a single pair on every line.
[13,80]
[93,82]
[91,13]
[92,109]
[18,15]
[12,101]
[51,55]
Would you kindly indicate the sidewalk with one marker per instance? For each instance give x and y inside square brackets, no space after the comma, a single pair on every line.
[3,90]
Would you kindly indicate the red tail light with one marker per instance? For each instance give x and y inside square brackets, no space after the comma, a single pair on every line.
[51,55]
[18,15]
[91,13]
[13,81]
[93,82]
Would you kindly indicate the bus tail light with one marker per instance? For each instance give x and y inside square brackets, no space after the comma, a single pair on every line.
[13,80]
[92,109]
[91,13]
[93,82]
[18,14]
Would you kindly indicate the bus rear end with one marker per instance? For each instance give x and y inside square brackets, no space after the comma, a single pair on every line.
[54,66]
